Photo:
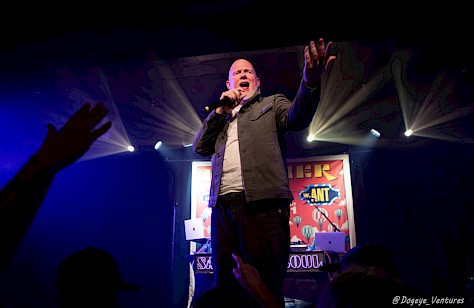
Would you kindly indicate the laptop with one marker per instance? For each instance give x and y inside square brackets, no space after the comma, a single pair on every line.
[330,241]
[194,229]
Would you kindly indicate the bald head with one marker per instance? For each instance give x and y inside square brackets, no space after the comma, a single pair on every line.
[242,76]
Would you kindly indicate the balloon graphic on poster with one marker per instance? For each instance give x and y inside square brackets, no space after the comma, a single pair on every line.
[205,214]
[332,228]
[297,220]
[319,218]
[338,213]
[307,231]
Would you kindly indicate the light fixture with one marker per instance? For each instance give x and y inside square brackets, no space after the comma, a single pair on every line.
[409,132]
[375,132]
[158,145]
[130,148]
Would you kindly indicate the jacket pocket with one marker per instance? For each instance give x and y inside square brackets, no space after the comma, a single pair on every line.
[263,119]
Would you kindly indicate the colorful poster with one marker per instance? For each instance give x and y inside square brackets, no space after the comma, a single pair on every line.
[201,183]
[322,193]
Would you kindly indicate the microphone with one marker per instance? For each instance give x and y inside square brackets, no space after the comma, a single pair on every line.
[217,104]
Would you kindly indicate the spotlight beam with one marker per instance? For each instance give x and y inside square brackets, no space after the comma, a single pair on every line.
[330,122]
[173,116]
[456,114]
[358,97]
[116,139]
[406,99]
[113,113]
[427,118]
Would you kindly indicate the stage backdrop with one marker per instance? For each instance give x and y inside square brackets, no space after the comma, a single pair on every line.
[322,192]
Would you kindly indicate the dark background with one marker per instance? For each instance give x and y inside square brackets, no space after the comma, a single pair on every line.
[413,195]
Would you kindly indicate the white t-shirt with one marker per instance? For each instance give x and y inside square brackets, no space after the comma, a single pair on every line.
[231,179]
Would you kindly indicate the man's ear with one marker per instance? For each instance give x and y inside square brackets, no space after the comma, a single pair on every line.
[227,83]
[258,82]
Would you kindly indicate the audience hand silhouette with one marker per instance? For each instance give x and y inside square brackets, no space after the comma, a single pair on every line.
[248,277]
[21,197]
[64,147]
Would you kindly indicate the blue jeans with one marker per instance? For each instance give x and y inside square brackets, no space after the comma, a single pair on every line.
[259,232]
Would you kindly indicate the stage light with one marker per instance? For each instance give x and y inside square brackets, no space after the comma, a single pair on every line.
[130,148]
[158,145]
[310,138]
[375,132]
[409,132]
[187,145]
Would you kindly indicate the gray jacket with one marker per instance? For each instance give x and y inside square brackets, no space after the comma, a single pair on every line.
[262,126]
